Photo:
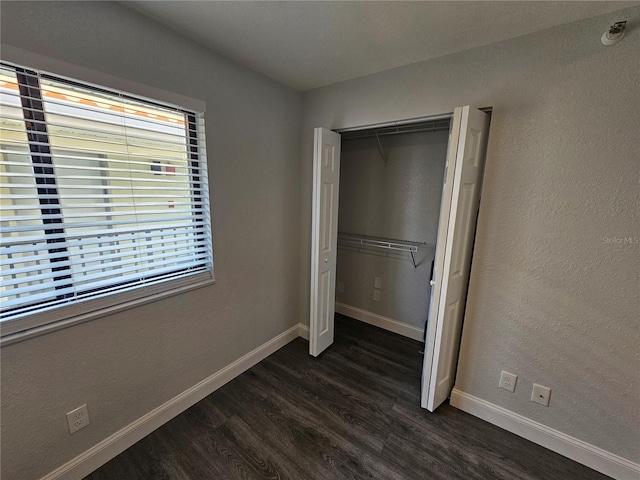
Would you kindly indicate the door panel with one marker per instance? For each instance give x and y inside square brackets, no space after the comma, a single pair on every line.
[463,225]
[451,312]
[325,296]
[324,238]
[456,234]
[326,219]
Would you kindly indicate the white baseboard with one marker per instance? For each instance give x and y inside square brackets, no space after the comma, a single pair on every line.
[98,455]
[303,331]
[582,452]
[394,326]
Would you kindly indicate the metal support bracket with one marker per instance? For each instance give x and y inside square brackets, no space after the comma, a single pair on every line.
[413,259]
[384,157]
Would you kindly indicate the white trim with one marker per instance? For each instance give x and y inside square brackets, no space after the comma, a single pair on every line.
[556,441]
[385,323]
[99,454]
[76,72]
[303,331]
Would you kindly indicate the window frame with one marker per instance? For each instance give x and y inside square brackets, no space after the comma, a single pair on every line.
[79,311]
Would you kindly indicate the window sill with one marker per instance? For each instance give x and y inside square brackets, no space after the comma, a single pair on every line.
[72,321]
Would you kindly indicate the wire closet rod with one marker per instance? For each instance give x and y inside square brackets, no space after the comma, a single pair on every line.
[397,123]
[396,131]
[382,243]
[434,127]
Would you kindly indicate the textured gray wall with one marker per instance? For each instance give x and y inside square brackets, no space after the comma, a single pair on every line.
[400,200]
[549,299]
[127,364]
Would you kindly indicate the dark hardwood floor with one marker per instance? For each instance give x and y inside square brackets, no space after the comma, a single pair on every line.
[352,413]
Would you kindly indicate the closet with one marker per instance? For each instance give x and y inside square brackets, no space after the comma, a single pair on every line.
[390,192]
[389,201]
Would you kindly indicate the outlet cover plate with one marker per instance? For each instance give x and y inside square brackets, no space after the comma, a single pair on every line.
[376,295]
[508,381]
[540,394]
[78,418]
[377,282]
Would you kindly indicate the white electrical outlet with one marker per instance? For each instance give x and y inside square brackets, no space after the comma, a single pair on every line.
[376,295]
[78,418]
[377,283]
[508,381]
[340,287]
[540,394]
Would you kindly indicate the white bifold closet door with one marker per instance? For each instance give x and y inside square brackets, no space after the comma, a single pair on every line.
[324,238]
[456,234]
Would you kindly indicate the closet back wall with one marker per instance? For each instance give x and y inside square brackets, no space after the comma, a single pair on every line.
[399,200]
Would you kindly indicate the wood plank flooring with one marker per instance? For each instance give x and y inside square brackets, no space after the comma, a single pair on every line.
[352,413]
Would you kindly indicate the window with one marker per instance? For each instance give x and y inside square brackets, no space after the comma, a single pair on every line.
[103,198]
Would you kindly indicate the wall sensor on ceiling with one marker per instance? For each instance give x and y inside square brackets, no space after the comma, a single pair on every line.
[614,33]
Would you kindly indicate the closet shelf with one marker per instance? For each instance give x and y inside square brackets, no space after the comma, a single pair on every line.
[383,243]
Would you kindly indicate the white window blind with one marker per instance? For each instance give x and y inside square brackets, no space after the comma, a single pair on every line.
[103,198]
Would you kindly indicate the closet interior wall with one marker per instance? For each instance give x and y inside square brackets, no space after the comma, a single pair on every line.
[390,186]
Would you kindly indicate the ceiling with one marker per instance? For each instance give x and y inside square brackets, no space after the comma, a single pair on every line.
[309,44]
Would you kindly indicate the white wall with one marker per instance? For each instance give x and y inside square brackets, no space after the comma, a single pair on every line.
[127,364]
[398,200]
[549,299]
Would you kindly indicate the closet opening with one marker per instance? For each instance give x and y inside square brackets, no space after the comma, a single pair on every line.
[391,180]
[394,211]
